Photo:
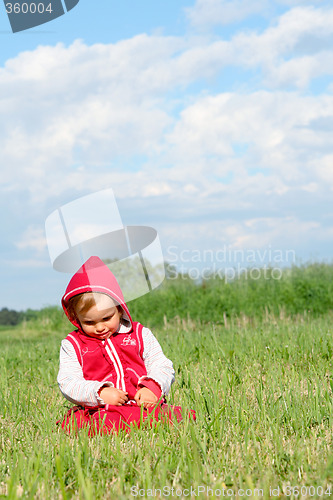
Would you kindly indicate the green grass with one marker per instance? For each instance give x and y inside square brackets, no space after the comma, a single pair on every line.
[262,390]
[291,291]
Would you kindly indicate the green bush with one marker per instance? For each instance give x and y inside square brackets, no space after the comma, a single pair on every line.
[299,288]
[293,291]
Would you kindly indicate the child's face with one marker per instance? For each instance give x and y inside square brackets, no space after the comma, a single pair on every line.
[101,320]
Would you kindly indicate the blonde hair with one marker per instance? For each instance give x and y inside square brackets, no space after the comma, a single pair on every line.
[83,302]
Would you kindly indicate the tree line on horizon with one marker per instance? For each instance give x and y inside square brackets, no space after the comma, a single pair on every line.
[10,317]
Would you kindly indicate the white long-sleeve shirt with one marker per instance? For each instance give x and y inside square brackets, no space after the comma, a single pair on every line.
[84,392]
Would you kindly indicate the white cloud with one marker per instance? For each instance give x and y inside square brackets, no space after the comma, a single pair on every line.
[212,12]
[98,105]
[33,238]
[274,127]
[237,239]
[207,13]
[81,118]
[324,169]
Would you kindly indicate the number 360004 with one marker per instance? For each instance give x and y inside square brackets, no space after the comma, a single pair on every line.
[28,8]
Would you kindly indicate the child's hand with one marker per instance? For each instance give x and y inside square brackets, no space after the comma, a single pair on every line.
[113,396]
[145,397]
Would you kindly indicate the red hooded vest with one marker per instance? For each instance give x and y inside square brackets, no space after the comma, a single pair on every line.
[118,359]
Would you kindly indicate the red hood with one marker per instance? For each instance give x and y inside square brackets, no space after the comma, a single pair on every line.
[95,276]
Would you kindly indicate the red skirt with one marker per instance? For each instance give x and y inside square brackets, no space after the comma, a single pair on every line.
[109,418]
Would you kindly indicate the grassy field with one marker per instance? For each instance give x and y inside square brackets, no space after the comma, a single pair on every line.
[261,387]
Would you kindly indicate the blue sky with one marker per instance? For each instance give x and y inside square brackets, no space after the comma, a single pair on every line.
[210,119]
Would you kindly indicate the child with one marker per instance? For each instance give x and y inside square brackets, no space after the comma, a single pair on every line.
[111,367]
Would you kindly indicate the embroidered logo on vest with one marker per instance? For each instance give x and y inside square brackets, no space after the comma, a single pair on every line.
[128,340]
